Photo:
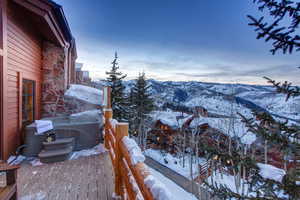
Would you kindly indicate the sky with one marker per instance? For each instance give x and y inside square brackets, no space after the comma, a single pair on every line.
[177,40]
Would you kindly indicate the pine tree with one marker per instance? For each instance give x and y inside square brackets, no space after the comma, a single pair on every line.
[118,98]
[141,105]
[284,135]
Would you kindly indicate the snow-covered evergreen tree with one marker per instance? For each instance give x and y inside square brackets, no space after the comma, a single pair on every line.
[265,181]
[118,98]
[141,105]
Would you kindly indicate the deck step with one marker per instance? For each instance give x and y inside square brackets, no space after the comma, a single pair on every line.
[55,155]
[59,144]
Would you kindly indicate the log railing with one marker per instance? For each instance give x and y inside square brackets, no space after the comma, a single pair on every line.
[130,176]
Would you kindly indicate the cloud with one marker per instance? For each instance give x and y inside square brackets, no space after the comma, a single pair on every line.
[279,72]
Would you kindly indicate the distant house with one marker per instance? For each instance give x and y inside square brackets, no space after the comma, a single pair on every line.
[161,136]
[37,58]
[169,126]
[82,77]
[200,111]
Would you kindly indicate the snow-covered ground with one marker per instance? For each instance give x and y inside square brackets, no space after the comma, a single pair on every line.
[218,178]
[228,181]
[174,163]
[177,193]
[218,105]
[266,171]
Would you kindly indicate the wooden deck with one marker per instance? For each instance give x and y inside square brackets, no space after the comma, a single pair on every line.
[87,178]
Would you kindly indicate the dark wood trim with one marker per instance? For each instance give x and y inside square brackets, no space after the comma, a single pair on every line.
[3,84]
[20,88]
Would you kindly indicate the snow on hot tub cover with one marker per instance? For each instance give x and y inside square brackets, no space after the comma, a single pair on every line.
[85,93]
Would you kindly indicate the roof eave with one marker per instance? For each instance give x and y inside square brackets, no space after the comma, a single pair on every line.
[54,16]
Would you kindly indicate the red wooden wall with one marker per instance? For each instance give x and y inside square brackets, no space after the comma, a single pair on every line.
[24,61]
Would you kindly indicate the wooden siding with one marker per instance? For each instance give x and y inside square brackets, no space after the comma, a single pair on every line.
[24,60]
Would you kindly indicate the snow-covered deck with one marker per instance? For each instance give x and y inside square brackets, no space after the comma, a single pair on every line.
[81,179]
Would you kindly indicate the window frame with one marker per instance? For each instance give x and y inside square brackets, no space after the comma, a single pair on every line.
[33,95]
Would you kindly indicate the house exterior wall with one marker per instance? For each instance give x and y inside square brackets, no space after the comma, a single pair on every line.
[24,55]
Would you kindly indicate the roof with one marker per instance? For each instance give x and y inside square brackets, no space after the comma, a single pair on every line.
[53,15]
[239,128]
[59,12]
[78,66]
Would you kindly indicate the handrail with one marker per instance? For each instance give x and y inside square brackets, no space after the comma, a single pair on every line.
[130,177]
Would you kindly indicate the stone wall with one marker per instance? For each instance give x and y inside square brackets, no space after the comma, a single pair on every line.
[54,80]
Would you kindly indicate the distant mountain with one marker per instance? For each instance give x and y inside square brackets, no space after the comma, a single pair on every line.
[223,98]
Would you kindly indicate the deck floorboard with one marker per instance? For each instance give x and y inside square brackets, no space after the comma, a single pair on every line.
[87,178]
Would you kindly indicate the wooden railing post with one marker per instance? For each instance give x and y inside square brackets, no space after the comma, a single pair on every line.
[108,113]
[107,97]
[121,131]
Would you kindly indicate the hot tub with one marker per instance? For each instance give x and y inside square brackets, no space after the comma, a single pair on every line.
[85,130]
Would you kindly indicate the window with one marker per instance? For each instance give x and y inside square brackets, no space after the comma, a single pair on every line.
[28,96]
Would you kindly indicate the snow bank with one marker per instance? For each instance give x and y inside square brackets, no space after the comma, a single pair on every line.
[36,162]
[174,163]
[37,196]
[135,152]
[113,123]
[158,189]
[85,93]
[13,160]
[88,152]
[225,180]
[271,172]
[178,193]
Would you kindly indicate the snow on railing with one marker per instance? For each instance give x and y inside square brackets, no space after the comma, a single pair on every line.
[133,179]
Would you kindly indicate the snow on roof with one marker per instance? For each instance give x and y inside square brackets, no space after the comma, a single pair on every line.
[85,93]
[166,117]
[271,172]
[238,129]
[235,128]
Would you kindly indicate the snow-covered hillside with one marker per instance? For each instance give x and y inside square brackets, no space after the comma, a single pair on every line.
[221,98]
